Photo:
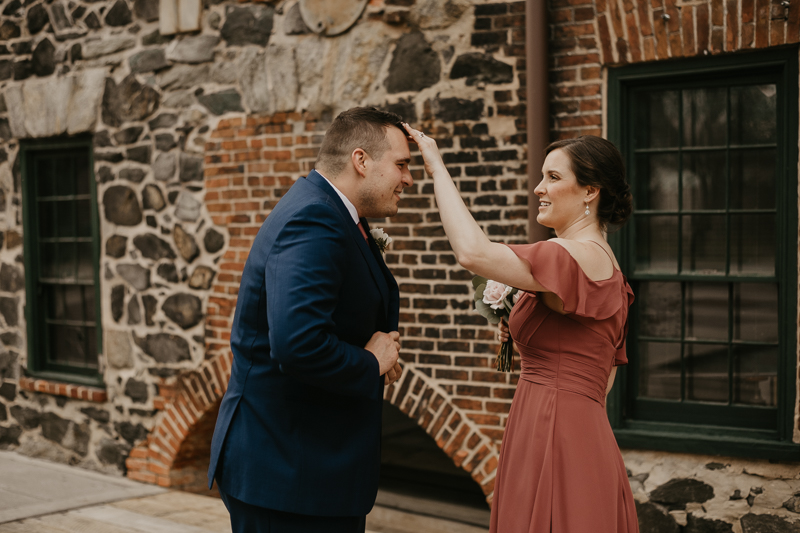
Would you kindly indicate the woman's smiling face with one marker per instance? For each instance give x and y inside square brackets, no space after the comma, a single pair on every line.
[561,198]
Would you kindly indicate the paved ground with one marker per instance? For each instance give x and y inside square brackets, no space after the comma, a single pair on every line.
[42,497]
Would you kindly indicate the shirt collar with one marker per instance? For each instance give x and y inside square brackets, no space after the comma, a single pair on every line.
[347,203]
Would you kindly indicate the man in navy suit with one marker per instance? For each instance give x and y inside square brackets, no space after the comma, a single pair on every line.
[296,447]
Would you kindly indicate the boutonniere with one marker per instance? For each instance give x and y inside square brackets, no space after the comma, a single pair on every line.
[381,239]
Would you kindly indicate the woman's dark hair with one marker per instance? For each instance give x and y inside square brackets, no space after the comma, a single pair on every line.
[359,127]
[597,162]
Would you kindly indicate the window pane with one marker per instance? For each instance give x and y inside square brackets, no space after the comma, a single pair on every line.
[755,312]
[660,305]
[706,312]
[84,215]
[48,260]
[657,244]
[704,114]
[704,180]
[88,299]
[68,345]
[85,261]
[45,184]
[57,307]
[660,370]
[704,244]
[657,175]
[65,269]
[47,219]
[656,119]
[91,347]
[754,114]
[755,378]
[707,372]
[753,244]
[64,175]
[66,218]
[82,176]
[753,174]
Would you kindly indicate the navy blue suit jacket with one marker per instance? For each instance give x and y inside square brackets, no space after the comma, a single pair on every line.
[300,424]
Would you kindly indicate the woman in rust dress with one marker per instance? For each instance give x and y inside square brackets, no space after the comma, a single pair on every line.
[560,470]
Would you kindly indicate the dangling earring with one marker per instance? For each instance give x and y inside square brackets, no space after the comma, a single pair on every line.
[587,210]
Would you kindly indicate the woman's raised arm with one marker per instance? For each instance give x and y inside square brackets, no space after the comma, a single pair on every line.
[473,249]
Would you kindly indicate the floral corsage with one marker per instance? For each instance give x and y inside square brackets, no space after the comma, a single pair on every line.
[381,238]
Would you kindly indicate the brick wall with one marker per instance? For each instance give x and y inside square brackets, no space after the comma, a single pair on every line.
[589,34]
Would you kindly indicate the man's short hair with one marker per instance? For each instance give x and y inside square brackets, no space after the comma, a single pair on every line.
[359,127]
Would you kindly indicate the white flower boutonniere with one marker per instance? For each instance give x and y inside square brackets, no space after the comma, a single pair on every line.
[381,238]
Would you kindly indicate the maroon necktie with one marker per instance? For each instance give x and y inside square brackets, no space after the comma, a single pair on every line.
[361,227]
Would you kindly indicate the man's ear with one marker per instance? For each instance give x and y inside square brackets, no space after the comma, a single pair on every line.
[359,159]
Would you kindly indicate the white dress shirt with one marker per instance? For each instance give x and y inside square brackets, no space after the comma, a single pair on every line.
[347,203]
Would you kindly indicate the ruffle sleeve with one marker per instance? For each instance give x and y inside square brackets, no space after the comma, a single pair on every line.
[621,355]
[556,270]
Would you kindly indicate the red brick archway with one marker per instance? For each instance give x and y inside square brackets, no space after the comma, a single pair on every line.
[175,453]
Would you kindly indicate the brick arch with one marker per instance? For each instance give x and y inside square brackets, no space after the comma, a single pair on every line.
[425,401]
[175,453]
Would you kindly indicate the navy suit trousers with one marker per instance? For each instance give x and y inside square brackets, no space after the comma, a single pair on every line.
[246,518]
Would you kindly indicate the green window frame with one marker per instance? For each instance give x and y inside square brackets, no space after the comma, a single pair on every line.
[61,238]
[676,409]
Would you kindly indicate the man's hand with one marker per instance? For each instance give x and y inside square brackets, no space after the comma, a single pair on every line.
[386,349]
[393,374]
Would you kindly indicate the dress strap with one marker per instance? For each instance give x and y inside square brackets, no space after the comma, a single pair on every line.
[613,265]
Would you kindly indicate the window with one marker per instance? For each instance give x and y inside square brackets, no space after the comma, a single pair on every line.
[711,252]
[61,261]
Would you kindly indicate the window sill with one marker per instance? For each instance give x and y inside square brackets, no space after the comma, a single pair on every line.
[78,392]
[697,443]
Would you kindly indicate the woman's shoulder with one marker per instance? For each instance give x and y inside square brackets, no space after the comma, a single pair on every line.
[593,258]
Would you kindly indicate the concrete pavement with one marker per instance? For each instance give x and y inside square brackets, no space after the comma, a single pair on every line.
[38,496]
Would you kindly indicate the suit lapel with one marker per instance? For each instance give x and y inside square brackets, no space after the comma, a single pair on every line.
[375,262]
[393,299]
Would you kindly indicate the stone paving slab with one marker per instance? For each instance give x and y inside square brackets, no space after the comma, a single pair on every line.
[38,496]
[34,487]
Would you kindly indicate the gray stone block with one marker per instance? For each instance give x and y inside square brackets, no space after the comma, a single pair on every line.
[117,301]
[478,67]
[248,25]
[153,247]
[119,14]
[136,390]
[118,349]
[222,102]
[26,417]
[148,61]
[201,278]
[187,207]
[134,312]
[164,167]
[183,309]
[415,65]
[213,241]
[54,427]
[165,348]
[194,49]
[152,198]
[12,278]
[106,46]
[136,276]
[121,206]
[185,243]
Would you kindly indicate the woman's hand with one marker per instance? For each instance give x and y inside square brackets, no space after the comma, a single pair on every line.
[428,149]
[503,334]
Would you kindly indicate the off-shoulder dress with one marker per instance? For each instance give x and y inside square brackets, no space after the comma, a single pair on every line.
[560,470]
